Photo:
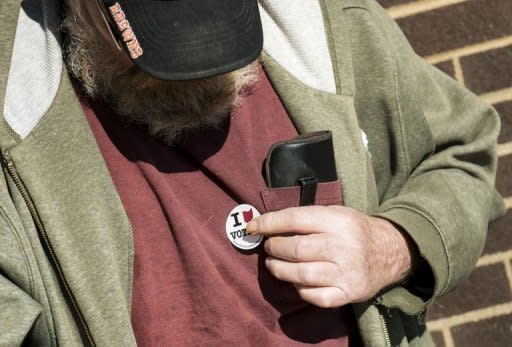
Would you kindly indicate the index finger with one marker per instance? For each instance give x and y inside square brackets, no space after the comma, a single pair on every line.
[299,220]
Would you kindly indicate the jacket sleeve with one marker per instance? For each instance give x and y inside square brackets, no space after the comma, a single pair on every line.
[446,143]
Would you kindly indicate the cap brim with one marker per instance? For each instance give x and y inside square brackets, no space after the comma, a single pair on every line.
[183,40]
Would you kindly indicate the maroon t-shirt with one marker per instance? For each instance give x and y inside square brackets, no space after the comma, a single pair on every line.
[191,286]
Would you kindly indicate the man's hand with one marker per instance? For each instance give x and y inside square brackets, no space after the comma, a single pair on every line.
[333,255]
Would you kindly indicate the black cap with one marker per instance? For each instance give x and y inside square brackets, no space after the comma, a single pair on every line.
[188,39]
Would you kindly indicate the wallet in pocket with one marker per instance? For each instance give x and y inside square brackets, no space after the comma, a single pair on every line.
[304,161]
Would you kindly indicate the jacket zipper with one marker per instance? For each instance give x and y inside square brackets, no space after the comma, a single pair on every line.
[83,328]
[385,329]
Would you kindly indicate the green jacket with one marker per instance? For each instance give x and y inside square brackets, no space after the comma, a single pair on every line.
[66,246]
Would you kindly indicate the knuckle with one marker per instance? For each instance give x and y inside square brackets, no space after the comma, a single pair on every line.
[300,249]
[327,247]
[293,217]
[306,274]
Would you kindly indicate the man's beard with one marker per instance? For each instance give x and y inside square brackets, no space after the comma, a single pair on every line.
[169,109]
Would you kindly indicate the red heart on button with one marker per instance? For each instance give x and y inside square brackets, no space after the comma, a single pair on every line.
[248,215]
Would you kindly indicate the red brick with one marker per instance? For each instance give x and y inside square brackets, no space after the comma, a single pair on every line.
[494,332]
[486,286]
[505,111]
[447,67]
[438,339]
[458,25]
[504,175]
[498,238]
[488,71]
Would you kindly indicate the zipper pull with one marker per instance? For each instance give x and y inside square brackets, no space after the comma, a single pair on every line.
[6,161]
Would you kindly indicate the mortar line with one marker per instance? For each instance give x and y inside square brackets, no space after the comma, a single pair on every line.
[459,74]
[416,7]
[508,202]
[448,337]
[508,270]
[494,258]
[471,49]
[504,149]
[471,316]
[498,96]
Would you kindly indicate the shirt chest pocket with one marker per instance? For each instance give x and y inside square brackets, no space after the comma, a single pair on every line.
[327,193]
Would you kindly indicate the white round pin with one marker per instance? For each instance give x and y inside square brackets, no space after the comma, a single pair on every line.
[236,227]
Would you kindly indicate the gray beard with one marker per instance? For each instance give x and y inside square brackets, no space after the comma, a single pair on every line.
[169,109]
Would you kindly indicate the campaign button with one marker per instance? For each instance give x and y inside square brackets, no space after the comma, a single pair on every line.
[236,227]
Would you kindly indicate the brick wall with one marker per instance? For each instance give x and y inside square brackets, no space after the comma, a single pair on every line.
[471,40]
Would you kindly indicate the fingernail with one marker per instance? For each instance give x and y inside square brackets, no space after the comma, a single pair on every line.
[266,245]
[267,262]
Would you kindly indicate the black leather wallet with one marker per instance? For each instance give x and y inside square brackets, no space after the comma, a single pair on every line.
[303,161]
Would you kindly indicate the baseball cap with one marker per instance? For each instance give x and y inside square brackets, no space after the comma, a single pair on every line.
[187,39]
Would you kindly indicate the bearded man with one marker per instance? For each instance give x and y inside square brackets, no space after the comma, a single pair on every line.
[133,140]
